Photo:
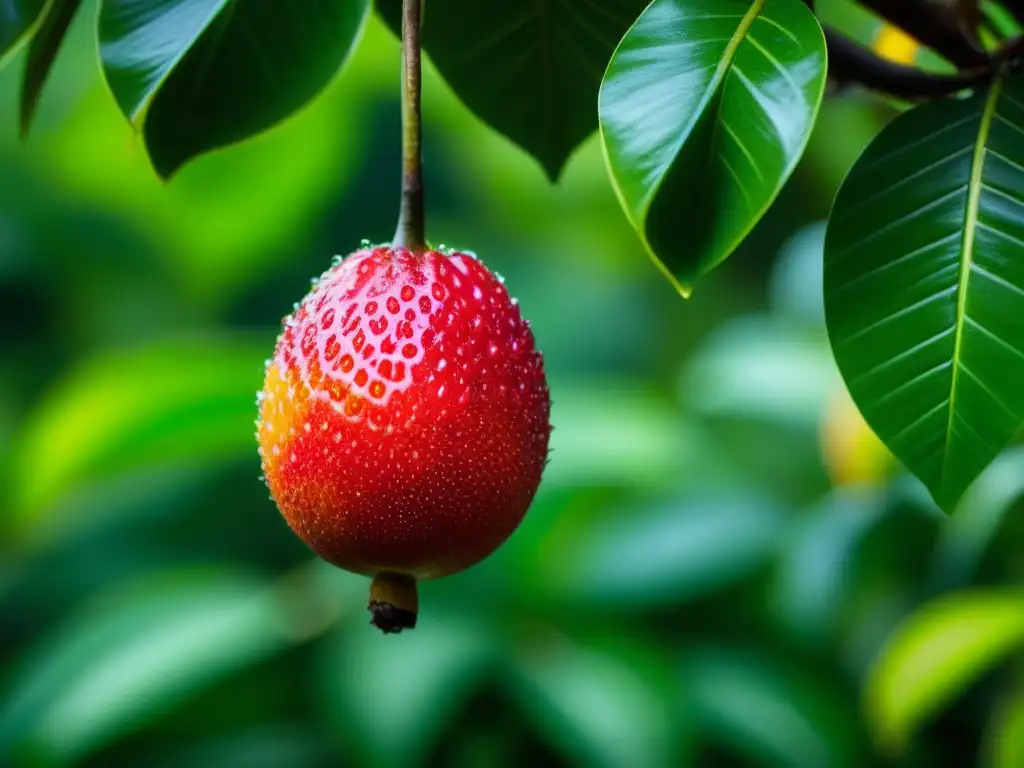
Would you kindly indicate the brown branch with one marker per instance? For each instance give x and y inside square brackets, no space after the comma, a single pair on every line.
[849,61]
[933,26]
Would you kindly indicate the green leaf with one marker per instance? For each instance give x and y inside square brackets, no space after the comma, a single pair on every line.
[132,409]
[935,654]
[601,706]
[530,70]
[199,75]
[767,712]
[705,109]
[666,555]
[924,285]
[134,654]
[17,19]
[42,52]
[391,701]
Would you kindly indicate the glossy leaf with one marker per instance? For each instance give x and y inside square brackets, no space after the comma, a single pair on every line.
[42,51]
[530,70]
[199,75]
[137,652]
[393,700]
[17,18]
[130,409]
[705,109]
[935,654]
[924,285]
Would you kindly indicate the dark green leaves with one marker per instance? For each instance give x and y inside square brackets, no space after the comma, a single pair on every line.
[705,110]
[16,20]
[531,70]
[41,54]
[203,74]
[924,285]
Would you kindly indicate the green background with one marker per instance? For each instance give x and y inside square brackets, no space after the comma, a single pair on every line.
[691,586]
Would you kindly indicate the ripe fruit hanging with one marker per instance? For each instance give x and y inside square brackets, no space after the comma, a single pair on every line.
[404,419]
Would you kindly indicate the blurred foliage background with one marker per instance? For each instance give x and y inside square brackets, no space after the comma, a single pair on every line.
[722,567]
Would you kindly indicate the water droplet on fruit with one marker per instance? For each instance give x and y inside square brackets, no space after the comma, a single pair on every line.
[371,307]
[377,389]
[409,350]
[408,293]
[392,305]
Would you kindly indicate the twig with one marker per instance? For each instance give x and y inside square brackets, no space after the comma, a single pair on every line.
[932,26]
[849,61]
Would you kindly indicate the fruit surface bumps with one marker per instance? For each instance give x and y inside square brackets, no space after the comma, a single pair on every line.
[404,420]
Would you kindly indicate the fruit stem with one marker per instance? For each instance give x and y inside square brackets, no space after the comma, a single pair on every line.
[394,602]
[411,231]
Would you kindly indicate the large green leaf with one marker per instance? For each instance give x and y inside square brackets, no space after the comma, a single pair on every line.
[935,654]
[924,285]
[17,18]
[42,52]
[203,74]
[137,651]
[531,70]
[705,109]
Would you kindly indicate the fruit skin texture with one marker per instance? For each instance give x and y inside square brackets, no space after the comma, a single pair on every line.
[404,420]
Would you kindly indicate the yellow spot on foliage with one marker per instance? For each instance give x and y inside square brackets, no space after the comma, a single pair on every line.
[895,45]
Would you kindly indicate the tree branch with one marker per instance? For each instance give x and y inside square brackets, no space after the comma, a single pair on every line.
[933,26]
[849,61]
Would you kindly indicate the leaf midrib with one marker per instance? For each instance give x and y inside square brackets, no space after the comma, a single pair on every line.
[724,64]
[974,188]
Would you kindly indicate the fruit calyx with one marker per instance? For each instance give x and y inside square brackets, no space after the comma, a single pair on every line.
[394,602]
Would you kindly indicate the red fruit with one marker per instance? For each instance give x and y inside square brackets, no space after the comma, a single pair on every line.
[404,419]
